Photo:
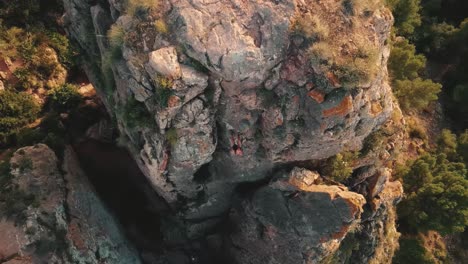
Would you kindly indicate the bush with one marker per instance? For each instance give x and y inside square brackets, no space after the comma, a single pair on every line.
[171,136]
[462,146]
[406,14]
[340,167]
[416,94]
[161,26]
[16,111]
[411,251]
[136,115]
[139,8]
[436,195]
[64,98]
[310,26]
[372,142]
[404,63]
[356,68]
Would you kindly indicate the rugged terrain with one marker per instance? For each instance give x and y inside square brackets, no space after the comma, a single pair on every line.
[231,110]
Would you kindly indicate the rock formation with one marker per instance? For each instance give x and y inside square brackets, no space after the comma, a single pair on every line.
[211,96]
[54,216]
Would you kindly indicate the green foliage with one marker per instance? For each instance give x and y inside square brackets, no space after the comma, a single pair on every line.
[462,146]
[447,144]
[64,98]
[411,251]
[404,63]
[136,115]
[29,136]
[31,12]
[163,91]
[372,142]
[437,195]
[66,52]
[406,14]
[171,136]
[340,166]
[116,36]
[311,26]
[351,70]
[416,94]
[16,111]
[139,8]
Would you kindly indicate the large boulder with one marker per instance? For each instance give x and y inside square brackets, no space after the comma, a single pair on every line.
[290,221]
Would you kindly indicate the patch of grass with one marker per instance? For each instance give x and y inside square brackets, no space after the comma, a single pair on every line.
[372,142]
[311,26]
[171,136]
[136,115]
[161,26]
[139,8]
[163,91]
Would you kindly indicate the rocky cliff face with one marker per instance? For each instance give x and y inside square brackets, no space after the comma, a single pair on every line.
[213,96]
[54,216]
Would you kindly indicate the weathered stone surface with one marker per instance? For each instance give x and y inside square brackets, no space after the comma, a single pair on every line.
[164,61]
[284,223]
[234,95]
[66,222]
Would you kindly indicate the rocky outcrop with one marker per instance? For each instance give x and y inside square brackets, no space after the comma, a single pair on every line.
[294,221]
[212,95]
[55,217]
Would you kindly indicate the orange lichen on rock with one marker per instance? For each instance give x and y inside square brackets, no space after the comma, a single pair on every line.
[376,108]
[74,234]
[342,109]
[333,79]
[317,96]
[173,101]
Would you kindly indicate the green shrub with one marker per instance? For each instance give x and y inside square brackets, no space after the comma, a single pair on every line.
[436,195]
[311,26]
[64,98]
[139,8]
[403,62]
[372,142]
[411,251]
[462,146]
[406,14]
[171,136]
[29,136]
[65,51]
[416,94]
[136,115]
[16,111]
[340,166]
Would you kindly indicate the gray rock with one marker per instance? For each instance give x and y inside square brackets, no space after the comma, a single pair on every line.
[66,222]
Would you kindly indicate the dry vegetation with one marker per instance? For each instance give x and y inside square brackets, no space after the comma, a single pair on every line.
[353,60]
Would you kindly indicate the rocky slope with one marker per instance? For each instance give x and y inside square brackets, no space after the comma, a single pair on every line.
[218,100]
[54,216]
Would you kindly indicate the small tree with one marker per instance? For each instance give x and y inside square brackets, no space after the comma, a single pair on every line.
[64,98]
[416,94]
[340,166]
[16,111]
[437,195]
[404,63]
